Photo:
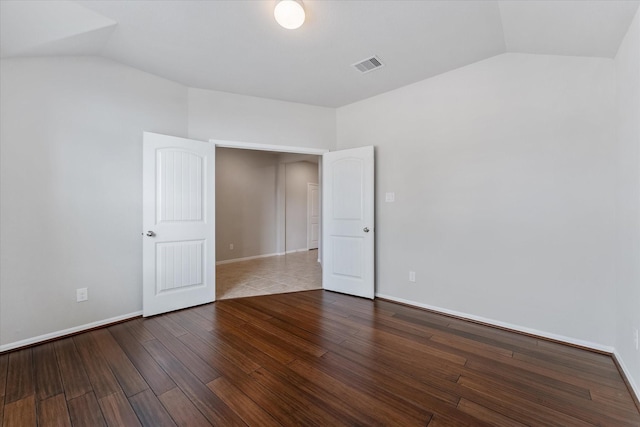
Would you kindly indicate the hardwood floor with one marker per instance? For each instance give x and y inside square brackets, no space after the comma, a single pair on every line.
[309,358]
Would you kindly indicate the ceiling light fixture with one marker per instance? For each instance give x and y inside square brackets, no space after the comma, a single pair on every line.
[289,14]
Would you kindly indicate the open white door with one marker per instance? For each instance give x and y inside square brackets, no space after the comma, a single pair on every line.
[178,251]
[348,220]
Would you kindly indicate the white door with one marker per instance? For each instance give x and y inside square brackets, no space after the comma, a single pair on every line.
[348,220]
[313,216]
[178,257]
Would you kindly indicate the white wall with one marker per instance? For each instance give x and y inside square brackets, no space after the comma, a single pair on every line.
[627,64]
[246,183]
[298,175]
[226,116]
[71,147]
[71,182]
[504,175]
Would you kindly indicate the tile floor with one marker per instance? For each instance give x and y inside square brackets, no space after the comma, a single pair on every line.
[299,271]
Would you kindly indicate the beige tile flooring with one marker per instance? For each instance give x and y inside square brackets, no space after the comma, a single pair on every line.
[298,271]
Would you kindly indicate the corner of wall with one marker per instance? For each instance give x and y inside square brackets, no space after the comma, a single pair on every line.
[627,219]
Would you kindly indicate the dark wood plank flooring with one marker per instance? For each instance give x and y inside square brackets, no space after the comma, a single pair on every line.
[309,358]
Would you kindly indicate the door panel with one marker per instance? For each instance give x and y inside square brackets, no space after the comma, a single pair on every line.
[348,221]
[181,185]
[178,223]
[180,265]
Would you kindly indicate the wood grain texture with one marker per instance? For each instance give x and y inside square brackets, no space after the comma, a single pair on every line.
[53,412]
[310,358]
[247,409]
[102,379]
[127,375]
[85,411]
[182,410]
[483,413]
[196,365]
[150,411]
[46,372]
[216,411]
[117,410]
[153,374]
[20,382]
[4,362]
[21,413]
[73,374]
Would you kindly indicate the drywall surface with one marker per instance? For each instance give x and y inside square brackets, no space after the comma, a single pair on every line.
[70,188]
[627,64]
[504,175]
[249,185]
[298,175]
[231,117]
[246,183]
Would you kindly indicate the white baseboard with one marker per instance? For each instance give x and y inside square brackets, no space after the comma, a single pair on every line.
[231,261]
[517,328]
[634,387]
[62,333]
[297,250]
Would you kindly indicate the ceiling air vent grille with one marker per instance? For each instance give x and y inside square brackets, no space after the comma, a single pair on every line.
[369,64]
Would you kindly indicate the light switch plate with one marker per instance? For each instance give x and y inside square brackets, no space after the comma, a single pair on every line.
[390,197]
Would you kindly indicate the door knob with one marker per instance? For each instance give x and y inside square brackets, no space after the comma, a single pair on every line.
[151,233]
[366,229]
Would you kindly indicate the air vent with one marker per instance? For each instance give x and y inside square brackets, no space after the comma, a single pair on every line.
[369,64]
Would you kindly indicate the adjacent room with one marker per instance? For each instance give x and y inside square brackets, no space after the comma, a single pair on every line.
[305,212]
[267,223]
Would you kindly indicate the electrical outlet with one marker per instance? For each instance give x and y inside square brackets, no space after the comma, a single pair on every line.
[635,338]
[230,246]
[82,294]
[412,276]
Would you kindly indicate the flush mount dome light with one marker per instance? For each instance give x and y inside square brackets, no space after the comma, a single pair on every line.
[289,14]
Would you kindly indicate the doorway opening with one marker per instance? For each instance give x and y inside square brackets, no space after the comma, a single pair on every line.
[178,216]
[267,220]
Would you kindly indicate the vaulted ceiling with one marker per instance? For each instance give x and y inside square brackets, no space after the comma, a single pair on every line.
[236,46]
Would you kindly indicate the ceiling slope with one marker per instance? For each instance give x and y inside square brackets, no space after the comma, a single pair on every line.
[32,28]
[586,28]
[236,46]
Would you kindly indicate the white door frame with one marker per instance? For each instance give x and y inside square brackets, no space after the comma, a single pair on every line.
[310,185]
[268,147]
[219,143]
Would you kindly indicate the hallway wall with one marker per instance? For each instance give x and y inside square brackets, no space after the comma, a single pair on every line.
[246,183]
[298,174]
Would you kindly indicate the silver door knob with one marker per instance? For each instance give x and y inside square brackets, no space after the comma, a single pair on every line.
[366,229]
[151,233]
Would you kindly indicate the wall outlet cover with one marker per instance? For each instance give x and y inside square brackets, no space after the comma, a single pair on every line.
[82,294]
